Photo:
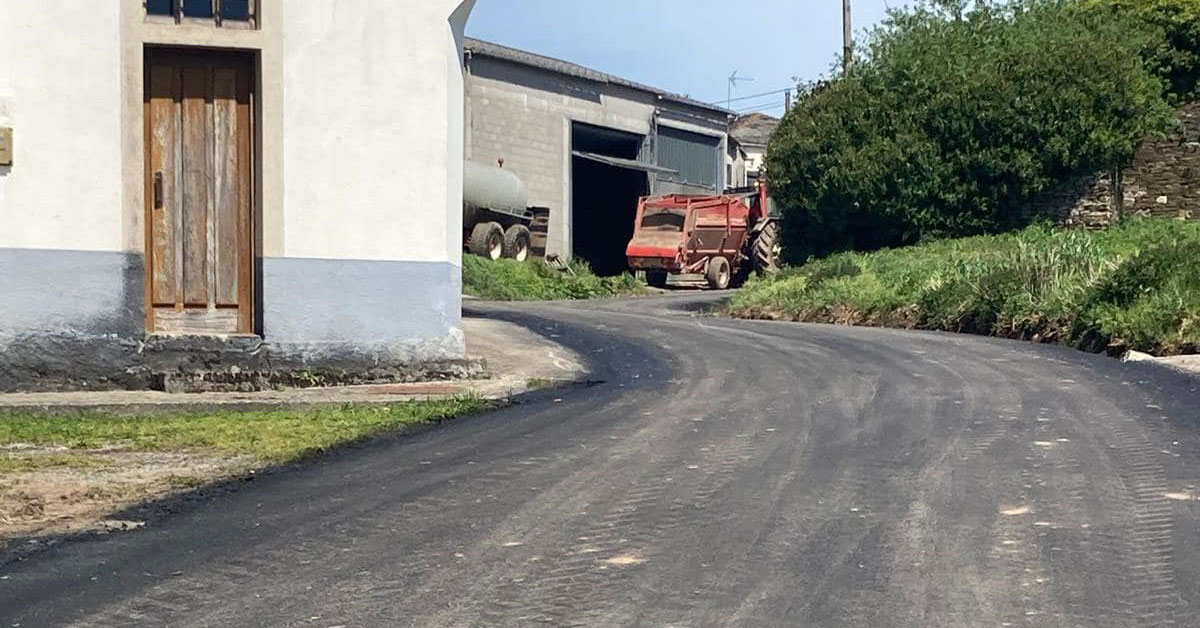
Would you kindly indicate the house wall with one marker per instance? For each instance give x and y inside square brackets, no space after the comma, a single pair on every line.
[63,260]
[755,156]
[360,120]
[524,116]
[372,142]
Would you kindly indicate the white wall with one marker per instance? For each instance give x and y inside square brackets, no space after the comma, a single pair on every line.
[372,117]
[60,91]
[754,160]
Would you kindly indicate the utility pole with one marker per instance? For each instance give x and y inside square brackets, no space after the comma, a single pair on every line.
[847,39]
[787,101]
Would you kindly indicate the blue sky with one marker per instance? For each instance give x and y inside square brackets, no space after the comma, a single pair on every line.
[685,46]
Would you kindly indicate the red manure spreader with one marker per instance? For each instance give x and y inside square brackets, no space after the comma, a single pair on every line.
[720,239]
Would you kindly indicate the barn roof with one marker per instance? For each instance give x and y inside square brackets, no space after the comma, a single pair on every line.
[513,55]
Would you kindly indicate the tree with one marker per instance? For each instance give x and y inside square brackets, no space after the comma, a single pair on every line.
[1175,54]
[958,115]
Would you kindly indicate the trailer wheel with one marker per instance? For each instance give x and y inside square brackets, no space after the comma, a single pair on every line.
[517,242]
[656,278]
[768,249]
[719,276]
[487,240]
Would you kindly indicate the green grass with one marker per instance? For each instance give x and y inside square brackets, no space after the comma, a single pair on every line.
[533,280]
[38,461]
[268,437]
[1134,286]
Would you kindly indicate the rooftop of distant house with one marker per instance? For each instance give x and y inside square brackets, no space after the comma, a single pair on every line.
[753,129]
[513,55]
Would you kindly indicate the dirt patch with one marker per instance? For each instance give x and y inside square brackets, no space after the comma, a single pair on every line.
[78,494]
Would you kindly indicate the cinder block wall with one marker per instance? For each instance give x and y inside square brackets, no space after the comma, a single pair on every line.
[524,116]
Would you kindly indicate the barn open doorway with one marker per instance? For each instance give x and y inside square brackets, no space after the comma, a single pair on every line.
[606,181]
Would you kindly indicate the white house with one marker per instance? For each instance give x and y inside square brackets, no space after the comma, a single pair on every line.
[752,132]
[213,186]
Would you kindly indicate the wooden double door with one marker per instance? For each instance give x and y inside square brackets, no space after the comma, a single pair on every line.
[199,114]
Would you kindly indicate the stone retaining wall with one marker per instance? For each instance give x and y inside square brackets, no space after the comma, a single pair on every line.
[1163,181]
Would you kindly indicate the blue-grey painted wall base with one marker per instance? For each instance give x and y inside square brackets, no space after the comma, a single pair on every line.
[75,320]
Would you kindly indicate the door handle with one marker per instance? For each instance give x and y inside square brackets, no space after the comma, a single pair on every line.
[158,190]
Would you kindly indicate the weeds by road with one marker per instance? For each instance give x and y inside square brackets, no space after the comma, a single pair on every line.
[1135,286]
[533,280]
[66,473]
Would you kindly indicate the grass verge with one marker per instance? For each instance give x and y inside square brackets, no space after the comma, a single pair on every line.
[61,474]
[1134,286]
[268,437]
[533,280]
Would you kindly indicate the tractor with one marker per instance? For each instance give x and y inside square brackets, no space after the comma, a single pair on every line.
[716,239]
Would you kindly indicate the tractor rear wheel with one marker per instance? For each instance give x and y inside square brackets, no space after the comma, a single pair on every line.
[767,250]
[719,275]
[487,240]
[517,242]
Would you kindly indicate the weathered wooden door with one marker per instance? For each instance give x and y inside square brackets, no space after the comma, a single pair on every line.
[199,192]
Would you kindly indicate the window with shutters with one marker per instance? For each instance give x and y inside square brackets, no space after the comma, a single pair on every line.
[224,13]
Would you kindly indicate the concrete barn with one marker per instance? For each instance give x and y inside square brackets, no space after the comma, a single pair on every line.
[588,144]
[220,186]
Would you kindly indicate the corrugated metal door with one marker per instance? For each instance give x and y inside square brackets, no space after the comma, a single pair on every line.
[696,157]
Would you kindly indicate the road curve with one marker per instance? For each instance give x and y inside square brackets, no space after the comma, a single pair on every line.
[724,473]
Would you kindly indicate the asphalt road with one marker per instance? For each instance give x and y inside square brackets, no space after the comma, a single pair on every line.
[725,473]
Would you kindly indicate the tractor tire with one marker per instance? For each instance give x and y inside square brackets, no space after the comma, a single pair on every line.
[487,240]
[767,250]
[656,279]
[518,241]
[719,275]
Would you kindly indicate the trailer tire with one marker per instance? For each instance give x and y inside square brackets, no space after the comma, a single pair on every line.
[517,242]
[767,249]
[487,240]
[719,275]
[656,278]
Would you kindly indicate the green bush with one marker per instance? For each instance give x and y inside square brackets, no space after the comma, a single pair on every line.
[957,116]
[1135,286]
[533,280]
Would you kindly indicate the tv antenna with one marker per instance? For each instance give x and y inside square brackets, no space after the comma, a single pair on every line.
[734,79]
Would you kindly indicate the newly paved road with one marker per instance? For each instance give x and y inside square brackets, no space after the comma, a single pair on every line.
[725,473]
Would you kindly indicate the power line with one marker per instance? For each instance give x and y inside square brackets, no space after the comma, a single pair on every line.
[752,96]
[764,107]
[750,102]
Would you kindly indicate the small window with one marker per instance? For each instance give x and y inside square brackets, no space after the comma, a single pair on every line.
[237,13]
[197,8]
[160,7]
[236,10]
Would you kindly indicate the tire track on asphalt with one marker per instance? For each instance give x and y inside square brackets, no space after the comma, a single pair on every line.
[884,478]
